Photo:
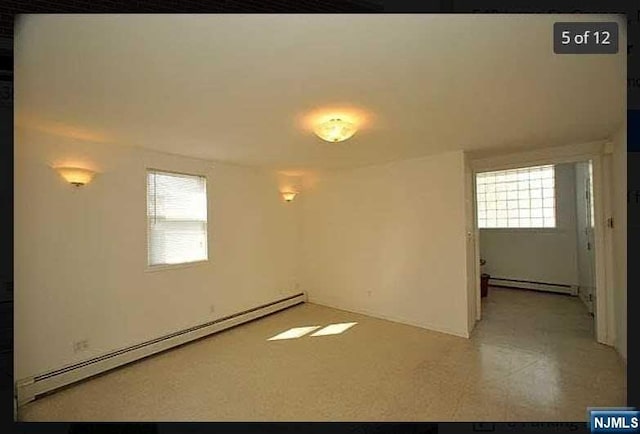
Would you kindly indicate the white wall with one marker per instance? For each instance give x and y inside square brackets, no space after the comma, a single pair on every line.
[389,241]
[80,253]
[620,237]
[541,255]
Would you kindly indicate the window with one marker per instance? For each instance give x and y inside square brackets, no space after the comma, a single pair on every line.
[519,198]
[176,218]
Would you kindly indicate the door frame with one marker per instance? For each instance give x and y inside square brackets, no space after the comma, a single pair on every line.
[599,153]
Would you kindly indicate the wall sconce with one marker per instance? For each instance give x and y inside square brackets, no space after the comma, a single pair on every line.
[288,196]
[335,130]
[76,175]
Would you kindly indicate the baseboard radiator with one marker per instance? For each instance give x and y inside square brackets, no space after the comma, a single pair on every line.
[538,286]
[28,389]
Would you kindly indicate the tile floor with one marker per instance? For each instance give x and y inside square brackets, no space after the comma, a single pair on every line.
[532,358]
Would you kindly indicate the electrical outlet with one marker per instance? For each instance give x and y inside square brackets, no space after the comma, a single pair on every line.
[212,308]
[369,292]
[80,345]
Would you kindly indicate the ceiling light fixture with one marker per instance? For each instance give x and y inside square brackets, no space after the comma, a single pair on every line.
[288,196]
[76,175]
[335,130]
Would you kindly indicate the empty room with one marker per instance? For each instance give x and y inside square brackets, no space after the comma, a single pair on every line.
[317,218]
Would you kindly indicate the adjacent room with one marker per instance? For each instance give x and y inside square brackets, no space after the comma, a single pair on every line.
[538,260]
[537,232]
[317,218]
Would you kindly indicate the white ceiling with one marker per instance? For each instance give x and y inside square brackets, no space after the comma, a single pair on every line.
[240,88]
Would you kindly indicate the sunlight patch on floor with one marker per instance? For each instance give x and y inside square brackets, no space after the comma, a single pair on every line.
[298,332]
[294,333]
[334,329]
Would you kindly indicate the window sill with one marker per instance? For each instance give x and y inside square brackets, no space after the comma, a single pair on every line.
[547,230]
[154,268]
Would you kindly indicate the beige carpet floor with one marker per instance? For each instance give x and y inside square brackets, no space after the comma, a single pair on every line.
[532,357]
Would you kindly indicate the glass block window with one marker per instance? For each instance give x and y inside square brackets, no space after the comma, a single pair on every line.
[518,198]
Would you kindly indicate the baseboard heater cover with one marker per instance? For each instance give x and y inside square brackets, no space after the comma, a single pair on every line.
[538,286]
[28,389]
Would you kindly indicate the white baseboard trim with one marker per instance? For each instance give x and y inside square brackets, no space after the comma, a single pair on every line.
[324,302]
[27,389]
[537,286]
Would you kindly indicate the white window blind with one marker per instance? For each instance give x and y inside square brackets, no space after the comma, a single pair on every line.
[518,198]
[176,218]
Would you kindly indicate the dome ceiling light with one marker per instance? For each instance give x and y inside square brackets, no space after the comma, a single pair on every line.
[335,130]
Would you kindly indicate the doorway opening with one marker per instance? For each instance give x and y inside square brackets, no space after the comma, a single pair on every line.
[540,228]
